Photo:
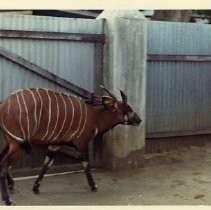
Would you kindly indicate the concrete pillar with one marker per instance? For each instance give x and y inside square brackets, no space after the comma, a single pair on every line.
[125,69]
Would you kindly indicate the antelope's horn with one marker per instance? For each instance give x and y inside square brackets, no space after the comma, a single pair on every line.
[107,91]
[124,97]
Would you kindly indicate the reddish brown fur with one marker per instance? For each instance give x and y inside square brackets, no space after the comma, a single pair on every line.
[46,117]
[97,117]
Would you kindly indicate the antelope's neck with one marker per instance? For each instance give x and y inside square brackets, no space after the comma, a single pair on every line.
[104,120]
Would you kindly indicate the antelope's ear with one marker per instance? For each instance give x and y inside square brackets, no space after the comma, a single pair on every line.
[110,103]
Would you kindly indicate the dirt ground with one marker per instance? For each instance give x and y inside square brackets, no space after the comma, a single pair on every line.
[179,177]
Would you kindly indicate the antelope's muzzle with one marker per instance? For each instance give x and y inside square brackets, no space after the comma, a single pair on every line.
[135,120]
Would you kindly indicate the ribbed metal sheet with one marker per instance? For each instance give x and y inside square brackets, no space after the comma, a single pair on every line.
[45,23]
[14,77]
[178,38]
[73,61]
[178,96]
[178,93]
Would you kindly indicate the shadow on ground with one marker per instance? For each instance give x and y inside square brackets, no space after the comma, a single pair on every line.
[180,177]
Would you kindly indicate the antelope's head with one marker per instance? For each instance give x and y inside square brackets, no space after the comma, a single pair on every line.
[125,113]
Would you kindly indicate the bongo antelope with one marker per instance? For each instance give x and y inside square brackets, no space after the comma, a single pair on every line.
[46,117]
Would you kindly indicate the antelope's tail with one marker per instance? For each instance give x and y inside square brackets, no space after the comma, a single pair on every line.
[24,144]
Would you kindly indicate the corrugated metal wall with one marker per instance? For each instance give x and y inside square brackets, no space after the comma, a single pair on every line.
[73,61]
[178,92]
[178,38]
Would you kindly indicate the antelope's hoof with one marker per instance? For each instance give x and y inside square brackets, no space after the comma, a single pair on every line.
[36,190]
[9,203]
[94,188]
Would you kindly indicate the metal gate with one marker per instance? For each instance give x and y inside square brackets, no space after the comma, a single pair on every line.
[58,53]
[178,80]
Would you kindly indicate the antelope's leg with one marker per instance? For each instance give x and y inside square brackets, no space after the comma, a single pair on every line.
[49,159]
[10,181]
[4,151]
[7,160]
[4,187]
[88,172]
[8,176]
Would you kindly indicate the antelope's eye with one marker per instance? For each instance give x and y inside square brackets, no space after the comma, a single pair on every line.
[128,108]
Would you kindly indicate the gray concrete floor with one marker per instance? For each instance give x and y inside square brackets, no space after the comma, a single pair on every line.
[180,177]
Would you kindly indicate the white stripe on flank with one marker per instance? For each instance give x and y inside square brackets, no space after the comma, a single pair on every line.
[65,111]
[27,115]
[71,122]
[85,118]
[74,133]
[9,133]
[35,111]
[41,106]
[23,132]
[49,115]
[57,116]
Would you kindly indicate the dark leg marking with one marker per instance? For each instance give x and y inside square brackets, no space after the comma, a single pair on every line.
[4,186]
[8,176]
[88,173]
[50,156]
[10,181]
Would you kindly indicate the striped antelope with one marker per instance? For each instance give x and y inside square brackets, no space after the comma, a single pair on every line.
[46,117]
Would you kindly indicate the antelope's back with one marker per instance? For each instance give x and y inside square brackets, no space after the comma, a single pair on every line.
[43,115]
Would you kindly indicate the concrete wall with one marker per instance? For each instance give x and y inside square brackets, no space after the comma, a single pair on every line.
[125,69]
